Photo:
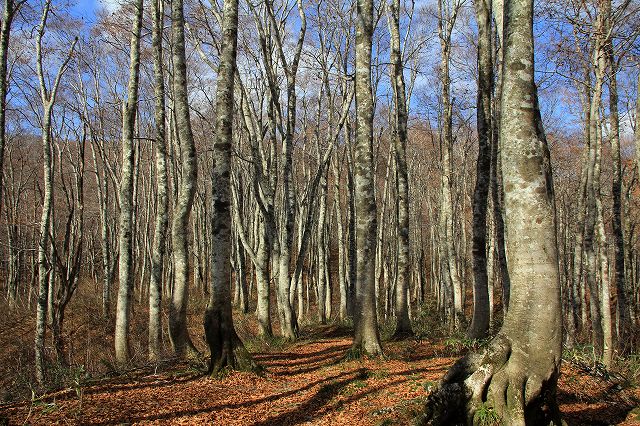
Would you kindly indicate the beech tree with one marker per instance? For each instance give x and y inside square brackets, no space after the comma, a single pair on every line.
[11,8]
[48,97]
[162,182]
[447,15]
[227,350]
[178,333]
[126,198]
[403,326]
[480,321]
[367,336]
[517,374]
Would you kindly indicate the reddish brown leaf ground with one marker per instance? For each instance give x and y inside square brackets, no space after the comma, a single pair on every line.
[305,383]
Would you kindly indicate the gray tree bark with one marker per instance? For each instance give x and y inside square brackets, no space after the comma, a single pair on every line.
[178,332]
[125,231]
[403,324]
[624,322]
[367,337]
[48,98]
[479,327]
[514,375]
[162,186]
[446,20]
[227,350]
[11,7]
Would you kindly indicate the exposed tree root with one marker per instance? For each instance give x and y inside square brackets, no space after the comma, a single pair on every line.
[516,387]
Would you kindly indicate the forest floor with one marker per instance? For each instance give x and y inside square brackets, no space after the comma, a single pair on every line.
[307,382]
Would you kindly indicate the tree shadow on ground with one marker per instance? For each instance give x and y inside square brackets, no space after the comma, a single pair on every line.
[309,410]
[613,413]
[280,359]
[123,419]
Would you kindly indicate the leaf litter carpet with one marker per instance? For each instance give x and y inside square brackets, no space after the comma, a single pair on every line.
[307,383]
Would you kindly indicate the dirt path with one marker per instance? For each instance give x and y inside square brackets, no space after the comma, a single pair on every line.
[304,384]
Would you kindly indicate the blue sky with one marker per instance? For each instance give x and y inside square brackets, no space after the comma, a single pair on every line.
[86,9]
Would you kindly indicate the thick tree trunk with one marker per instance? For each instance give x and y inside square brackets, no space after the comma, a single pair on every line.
[367,338]
[162,186]
[513,375]
[125,232]
[479,327]
[178,332]
[226,347]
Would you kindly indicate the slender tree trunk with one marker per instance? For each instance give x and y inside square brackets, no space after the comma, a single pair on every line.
[637,129]
[43,245]
[450,267]
[352,247]
[403,325]
[624,323]
[125,232]
[343,284]
[367,337]
[10,9]
[479,327]
[497,189]
[162,186]
[593,240]
[178,332]
[321,243]
[102,184]
[263,285]
[48,98]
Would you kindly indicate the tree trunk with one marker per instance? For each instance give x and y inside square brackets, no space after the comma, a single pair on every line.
[321,243]
[227,350]
[624,323]
[448,252]
[403,324]
[125,232]
[479,327]
[48,98]
[637,127]
[513,376]
[178,332]
[10,9]
[497,189]
[367,337]
[343,284]
[162,186]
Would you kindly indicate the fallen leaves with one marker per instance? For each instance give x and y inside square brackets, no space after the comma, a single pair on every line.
[305,384]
